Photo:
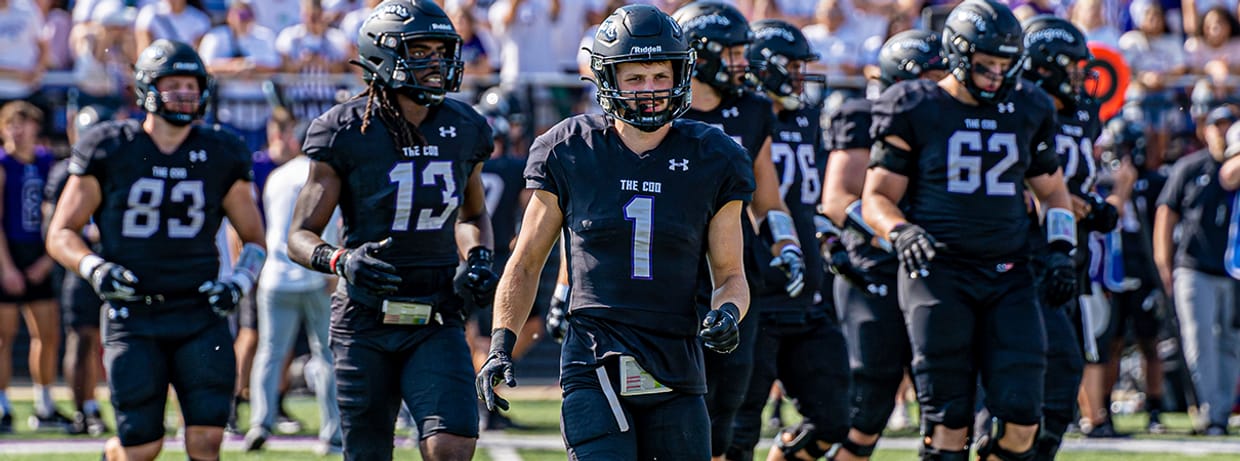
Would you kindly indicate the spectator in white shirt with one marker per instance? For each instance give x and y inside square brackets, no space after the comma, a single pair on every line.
[277,15]
[24,60]
[315,50]
[1092,17]
[104,52]
[838,35]
[241,53]
[171,19]
[521,29]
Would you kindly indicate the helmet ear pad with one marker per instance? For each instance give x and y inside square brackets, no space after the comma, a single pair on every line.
[166,58]
[384,50]
[641,34]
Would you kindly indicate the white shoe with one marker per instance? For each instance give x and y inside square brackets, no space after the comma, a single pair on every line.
[899,419]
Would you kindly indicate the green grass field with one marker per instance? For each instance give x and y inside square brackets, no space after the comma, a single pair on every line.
[541,417]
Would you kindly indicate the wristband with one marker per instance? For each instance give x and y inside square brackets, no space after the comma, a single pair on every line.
[249,265]
[88,264]
[854,221]
[503,339]
[480,256]
[561,292]
[731,310]
[335,259]
[321,258]
[1060,226]
[781,226]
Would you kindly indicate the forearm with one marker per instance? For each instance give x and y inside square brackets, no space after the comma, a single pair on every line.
[301,245]
[6,257]
[473,233]
[881,213]
[1164,248]
[514,298]
[67,247]
[1229,174]
[732,289]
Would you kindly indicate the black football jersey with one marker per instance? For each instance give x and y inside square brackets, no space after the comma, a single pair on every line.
[159,213]
[747,119]
[967,164]
[409,193]
[1074,143]
[636,226]
[850,129]
[502,182]
[799,154]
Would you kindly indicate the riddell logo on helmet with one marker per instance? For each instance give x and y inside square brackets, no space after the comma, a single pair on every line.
[439,26]
[646,49]
[185,66]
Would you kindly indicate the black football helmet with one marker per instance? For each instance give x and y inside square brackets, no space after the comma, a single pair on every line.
[989,27]
[641,33]
[165,58]
[713,27]
[908,54]
[1121,138]
[1056,54]
[383,47]
[776,45]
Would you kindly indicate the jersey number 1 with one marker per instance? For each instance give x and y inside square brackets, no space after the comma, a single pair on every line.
[402,175]
[640,210]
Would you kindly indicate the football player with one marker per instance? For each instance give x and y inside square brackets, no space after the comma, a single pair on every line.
[404,163]
[865,279]
[956,155]
[158,190]
[1056,58]
[719,34]
[799,342]
[641,199]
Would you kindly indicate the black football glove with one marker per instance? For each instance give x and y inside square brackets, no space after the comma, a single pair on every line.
[361,268]
[1102,216]
[113,282]
[222,295]
[1059,281]
[835,253]
[720,332]
[478,281]
[557,319]
[792,263]
[915,249]
[497,369]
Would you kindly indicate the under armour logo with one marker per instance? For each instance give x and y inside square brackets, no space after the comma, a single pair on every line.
[683,164]
[1082,115]
[447,132]
[1007,108]
[197,155]
[877,289]
[731,112]
[802,121]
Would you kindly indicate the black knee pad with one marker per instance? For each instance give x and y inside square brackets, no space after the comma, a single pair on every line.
[872,400]
[988,444]
[803,436]
[1047,444]
[864,451]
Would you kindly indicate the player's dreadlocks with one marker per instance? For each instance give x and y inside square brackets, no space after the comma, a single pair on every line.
[389,112]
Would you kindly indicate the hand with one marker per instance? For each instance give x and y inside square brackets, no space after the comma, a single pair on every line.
[1102,216]
[1059,282]
[839,263]
[720,332]
[13,282]
[1080,207]
[792,263]
[497,369]
[223,295]
[361,268]
[113,282]
[477,283]
[557,319]
[914,247]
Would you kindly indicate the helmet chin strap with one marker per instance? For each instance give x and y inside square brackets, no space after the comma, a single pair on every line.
[421,96]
